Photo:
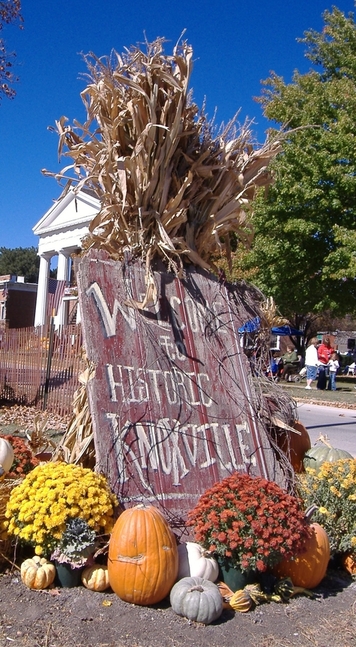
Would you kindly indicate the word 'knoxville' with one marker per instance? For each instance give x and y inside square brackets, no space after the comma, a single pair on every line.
[174,448]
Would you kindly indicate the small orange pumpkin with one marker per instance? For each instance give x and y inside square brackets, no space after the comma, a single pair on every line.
[349,563]
[143,556]
[309,568]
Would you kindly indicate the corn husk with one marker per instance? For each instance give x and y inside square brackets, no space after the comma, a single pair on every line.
[77,444]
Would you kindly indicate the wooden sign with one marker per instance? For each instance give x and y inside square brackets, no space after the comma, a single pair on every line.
[172,401]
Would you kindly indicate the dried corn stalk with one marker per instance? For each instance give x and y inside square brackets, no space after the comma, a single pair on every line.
[270,316]
[166,183]
[77,444]
[38,440]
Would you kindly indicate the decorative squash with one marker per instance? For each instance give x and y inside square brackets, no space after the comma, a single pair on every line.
[285,590]
[294,445]
[241,601]
[320,454]
[197,599]
[195,561]
[96,577]
[37,573]
[225,593]
[143,556]
[309,568]
[256,594]
[6,455]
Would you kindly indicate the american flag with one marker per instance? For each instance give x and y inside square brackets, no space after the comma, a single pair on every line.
[55,295]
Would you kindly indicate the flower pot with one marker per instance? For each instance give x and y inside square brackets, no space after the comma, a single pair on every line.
[44,457]
[66,576]
[233,577]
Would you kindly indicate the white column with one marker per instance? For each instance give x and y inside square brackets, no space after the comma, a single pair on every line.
[79,316]
[42,289]
[62,268]
[62,275]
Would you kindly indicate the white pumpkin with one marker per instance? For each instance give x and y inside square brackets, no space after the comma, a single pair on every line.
[6,455]
[194,561]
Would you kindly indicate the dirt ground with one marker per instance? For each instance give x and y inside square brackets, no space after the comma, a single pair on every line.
[78,617]
[63,617]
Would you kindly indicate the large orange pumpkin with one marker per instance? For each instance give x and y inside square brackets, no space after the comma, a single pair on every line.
[294,445]
[308,568]
[143,556]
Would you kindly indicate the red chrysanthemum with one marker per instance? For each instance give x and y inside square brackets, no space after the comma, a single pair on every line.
[250,521]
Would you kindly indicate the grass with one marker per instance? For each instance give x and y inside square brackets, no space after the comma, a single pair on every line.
[344,396]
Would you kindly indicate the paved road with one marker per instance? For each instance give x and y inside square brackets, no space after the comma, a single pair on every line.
[339,425]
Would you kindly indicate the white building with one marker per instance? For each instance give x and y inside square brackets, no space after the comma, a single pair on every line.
[61,231]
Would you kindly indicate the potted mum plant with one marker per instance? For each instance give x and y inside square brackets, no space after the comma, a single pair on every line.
[60,509]
[249,523]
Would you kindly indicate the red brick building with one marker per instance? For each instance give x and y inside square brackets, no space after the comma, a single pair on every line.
[17,302]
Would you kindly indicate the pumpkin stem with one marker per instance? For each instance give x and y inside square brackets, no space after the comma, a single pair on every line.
[197,588]
[325,440]
[310,511]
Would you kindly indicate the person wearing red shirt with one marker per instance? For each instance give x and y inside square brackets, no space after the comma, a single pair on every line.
[324,353]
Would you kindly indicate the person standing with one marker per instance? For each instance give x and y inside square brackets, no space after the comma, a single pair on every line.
[311,362]
[324,354]
[333,365]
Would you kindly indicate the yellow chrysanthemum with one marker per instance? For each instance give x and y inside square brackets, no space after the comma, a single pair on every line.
[333,490]
[50,495]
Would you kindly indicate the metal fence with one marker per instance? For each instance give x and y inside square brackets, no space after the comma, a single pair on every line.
[40,367]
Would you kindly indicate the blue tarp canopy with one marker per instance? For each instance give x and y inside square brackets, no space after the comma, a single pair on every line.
[287,330]
[254,324]
[250,326]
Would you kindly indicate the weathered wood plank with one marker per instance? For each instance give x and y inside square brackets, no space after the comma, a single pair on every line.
[173,404]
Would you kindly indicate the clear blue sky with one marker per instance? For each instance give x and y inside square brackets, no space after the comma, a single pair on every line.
[236,44]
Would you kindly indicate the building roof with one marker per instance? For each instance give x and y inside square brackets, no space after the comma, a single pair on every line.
[67,221]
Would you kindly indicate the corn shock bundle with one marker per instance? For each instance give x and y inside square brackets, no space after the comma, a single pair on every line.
[168,186]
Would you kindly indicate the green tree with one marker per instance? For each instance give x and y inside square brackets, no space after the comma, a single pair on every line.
[10,12]
[303,252]
[22,261]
